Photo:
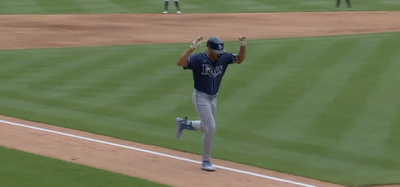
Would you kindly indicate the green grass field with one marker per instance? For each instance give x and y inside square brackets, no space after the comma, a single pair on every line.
[192,6]
[324,108]
[20,169]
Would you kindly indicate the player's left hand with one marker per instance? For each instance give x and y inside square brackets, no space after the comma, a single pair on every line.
[242,40]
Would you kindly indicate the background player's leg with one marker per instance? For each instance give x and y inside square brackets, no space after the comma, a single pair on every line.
[178,10]
[337,3]
[348,3]
[166,6]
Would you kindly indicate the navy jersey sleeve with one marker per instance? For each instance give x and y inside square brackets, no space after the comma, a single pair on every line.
[232,58]
[190,62]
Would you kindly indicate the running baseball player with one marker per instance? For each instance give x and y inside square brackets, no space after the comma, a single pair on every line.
[208,68]
[166,2]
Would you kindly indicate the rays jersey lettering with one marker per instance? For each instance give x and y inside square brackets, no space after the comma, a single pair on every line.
[207,75]
[210,71]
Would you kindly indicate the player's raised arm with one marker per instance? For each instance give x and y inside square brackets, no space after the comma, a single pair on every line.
[183,59]
[242,53]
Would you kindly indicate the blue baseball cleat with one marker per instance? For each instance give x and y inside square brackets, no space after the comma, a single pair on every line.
[182,124]
[207,166]
[179,128]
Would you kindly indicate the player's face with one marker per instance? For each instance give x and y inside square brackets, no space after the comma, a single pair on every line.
[213,56]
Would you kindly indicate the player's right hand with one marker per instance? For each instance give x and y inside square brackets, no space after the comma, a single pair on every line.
[196,43]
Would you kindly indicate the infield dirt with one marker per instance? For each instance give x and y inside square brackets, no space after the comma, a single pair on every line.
[48,31]
[45,31]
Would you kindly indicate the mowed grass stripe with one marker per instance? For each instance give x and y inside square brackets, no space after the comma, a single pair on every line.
[105,87]
[341,59]
[58,6]
[165,102]
[373,125]
[339,115]
[171,103]
[139,91]
[13,61]
[26,65]
[317,3]
[324,91]
[244,99]
[377,5]
[72,67]
[74,115]
[97,77]
[137,5]
[281,159]
[37,95]
[71,113]
[103,110]
[19,6]
[393,140]
[254,6]
[46,64]
[88,108]
[148,88]
[125,68]
[101,6]
[312,5]
[294,87]
[206,7]
[246,6]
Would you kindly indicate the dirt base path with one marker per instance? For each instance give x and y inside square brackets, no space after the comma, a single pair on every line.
[32,31]
[47,31]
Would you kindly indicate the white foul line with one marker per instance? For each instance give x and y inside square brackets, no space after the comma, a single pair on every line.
[157,153]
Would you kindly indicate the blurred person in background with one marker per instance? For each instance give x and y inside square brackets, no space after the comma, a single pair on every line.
[178,11]
[347,1]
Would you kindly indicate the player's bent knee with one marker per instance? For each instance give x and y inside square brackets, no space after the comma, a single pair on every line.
[210,129]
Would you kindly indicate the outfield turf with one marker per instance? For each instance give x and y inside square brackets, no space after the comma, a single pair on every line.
[20,169]
[324,107]
[192,6]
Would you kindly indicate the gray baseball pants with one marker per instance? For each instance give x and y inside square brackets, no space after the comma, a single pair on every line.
[206,106]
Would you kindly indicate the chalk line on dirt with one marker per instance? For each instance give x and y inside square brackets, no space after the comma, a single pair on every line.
[156,153]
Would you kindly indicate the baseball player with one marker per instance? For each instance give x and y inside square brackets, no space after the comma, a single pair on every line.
[208,68]
[347,1]
[178,11]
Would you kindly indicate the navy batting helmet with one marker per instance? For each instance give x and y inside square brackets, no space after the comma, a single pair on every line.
[216,45]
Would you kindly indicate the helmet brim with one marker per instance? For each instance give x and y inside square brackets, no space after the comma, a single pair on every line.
[218,51]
